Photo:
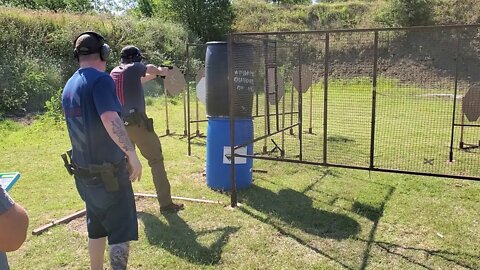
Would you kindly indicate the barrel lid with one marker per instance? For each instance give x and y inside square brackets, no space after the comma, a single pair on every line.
[216,42]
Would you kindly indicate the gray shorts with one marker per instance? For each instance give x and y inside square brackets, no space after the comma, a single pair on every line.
[109,214]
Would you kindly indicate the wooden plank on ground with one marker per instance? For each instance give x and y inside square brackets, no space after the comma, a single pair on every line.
[179,198]
[65,219]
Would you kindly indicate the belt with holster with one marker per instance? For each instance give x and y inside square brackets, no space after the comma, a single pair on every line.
[95,174]
[138,118]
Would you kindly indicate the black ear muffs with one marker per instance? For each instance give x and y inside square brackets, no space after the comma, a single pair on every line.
[103,50]
[133,58]
[137,58]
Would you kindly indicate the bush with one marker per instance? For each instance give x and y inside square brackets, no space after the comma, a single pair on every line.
[13,97]
[53,107]
[38,55]
[457,12]
[404,13]
[336,16]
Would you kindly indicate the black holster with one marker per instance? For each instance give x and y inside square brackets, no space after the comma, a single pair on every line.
[138,118]
[149,124]
[107,174]
[67,161]
[134,118]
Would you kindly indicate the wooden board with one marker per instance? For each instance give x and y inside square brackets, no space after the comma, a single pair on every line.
[66,219]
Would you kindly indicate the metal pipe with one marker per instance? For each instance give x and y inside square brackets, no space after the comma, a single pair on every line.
[360,168]
[265,110]
[450,156]
[167,131]
[179,198]
[300,105]
[233,189]
[325,96]
[374,100]
[189,147]
[184,98]
[264,137]
[282,151]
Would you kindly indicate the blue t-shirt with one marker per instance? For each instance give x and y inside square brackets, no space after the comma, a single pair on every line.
[130,93]
[88,94]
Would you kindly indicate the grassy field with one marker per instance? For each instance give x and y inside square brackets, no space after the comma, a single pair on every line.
[293,217]
[412,128]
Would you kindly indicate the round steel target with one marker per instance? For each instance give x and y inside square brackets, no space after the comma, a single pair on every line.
[174,82]
[307,77]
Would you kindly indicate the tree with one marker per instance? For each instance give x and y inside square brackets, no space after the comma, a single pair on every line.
[207,19]
[146,8]
[54,5]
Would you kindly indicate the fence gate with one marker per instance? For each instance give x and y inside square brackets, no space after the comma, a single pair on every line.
[401,100]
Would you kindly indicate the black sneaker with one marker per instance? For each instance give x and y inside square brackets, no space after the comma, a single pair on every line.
[171,208]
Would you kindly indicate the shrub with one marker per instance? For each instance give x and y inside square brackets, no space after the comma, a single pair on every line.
[53,106]
[38,60]
[404,13]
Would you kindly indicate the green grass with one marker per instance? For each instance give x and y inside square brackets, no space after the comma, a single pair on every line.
[412,128]
[293,217]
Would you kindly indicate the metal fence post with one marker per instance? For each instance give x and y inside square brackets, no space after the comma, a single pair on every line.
[233,197]
[325,96]
[374,100]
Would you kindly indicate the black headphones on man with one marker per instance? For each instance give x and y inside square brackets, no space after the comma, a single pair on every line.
[130,54]
[99,47]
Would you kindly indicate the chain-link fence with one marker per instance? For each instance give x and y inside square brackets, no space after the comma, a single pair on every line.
[396,100]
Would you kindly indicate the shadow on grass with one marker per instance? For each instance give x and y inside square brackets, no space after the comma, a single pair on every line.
[180,240]
[396,249]
[374,214]
[295,209]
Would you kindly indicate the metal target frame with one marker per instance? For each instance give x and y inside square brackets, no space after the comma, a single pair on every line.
[189,72]
[375,47]
[176,83]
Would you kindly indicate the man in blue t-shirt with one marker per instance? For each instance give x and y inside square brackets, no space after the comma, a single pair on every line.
[129,77]
[99,147]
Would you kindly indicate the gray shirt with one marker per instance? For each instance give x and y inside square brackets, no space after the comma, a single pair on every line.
[5,203]
[128,82]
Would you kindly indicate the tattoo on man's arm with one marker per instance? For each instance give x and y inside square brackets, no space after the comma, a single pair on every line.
[118,129]
[119,256]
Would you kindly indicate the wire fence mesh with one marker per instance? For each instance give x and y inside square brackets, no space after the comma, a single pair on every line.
[195,110]
[403,100]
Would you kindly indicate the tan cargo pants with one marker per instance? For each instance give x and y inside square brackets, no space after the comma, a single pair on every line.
[149,145]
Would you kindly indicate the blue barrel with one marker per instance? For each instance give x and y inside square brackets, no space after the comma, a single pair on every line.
[216,79]
[216,74]
[218,144]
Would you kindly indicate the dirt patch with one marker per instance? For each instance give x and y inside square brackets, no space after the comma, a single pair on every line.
[23,119]
[79,225]
[427,59]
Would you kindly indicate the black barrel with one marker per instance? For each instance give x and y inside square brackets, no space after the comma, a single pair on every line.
[216,78]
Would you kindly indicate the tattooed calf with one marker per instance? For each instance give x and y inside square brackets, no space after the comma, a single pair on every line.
[119,256]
